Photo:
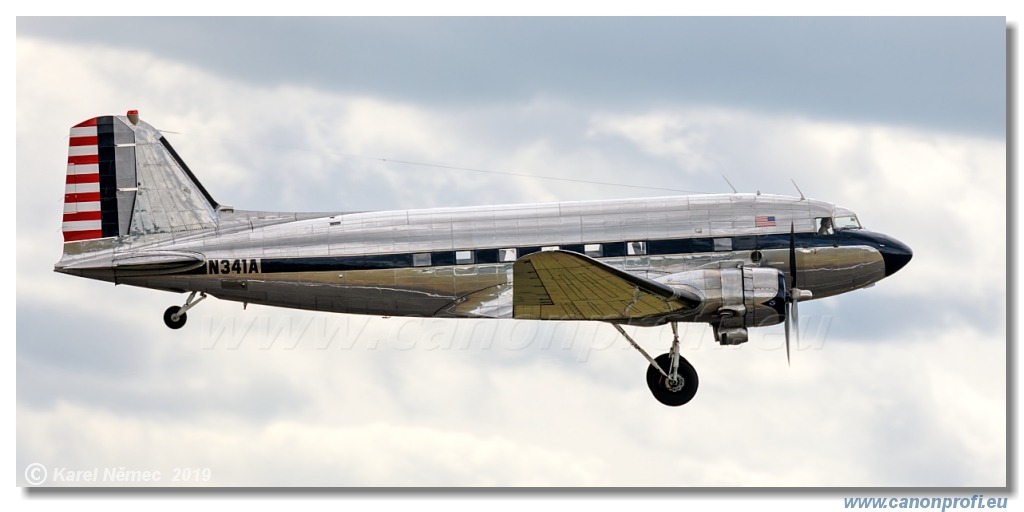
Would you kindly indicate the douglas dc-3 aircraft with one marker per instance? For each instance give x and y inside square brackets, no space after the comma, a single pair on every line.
[135,214]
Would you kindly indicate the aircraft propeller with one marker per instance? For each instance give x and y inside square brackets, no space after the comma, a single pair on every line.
[794,294]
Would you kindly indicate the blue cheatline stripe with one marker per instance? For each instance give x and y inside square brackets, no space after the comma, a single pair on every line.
[677,246]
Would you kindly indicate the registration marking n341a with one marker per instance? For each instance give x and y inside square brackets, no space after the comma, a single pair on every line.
[234,267]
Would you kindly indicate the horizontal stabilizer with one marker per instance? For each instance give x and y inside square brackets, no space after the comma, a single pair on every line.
[159,260]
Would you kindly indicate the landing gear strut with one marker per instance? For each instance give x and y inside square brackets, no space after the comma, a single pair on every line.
[671,378]
[175,316]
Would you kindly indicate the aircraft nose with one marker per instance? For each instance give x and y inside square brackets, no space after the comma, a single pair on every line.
[896,255]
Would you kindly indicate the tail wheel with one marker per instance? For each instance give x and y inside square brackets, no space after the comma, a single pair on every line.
[169,317]
[175,316]
[665,390]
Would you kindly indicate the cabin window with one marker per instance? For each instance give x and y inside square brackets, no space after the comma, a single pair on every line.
[723,244]
[463,257]
[636,248]
[506,255]
[421,259]
[549,248]
[847,222]
[593,250]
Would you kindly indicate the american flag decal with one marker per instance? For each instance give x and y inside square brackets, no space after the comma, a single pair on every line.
[764,221]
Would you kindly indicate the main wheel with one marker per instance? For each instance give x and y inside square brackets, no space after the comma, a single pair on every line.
[170,321]
[672,393]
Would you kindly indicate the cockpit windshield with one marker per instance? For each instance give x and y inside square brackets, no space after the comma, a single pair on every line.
[847,222]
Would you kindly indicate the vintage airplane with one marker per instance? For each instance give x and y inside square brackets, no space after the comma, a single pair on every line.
[135,214]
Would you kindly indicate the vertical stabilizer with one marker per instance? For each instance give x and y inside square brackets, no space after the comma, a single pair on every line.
[124,178]
[171,199]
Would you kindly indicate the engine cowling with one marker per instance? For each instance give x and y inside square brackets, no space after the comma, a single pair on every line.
[735,298]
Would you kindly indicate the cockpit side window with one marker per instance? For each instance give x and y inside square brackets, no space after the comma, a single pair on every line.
[847,222]
[824,225]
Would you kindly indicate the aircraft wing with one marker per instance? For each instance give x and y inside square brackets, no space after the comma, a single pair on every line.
[562,285]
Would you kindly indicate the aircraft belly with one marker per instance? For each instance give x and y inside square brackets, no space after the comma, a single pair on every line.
[405,292]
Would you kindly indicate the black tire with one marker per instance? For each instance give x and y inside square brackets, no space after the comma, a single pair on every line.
[170,321]
[658,383]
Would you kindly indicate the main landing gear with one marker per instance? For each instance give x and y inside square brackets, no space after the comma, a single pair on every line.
[175,316]
[671,378]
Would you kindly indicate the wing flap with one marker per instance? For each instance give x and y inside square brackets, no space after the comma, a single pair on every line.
[562,285]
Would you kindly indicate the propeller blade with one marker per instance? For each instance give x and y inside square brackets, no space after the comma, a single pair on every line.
[793,294]
[792,255]
[789,306]
[796,317]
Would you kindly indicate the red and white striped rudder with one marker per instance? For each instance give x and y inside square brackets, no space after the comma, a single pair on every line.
[82,210]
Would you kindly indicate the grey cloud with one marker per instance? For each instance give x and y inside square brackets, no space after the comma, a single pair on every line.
[119,368]
[58,343]
[900,316]
[946,73]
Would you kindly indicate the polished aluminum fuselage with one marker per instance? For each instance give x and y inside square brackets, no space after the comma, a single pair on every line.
[456,262]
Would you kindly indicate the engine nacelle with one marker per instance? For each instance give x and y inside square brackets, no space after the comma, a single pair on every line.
[735,298]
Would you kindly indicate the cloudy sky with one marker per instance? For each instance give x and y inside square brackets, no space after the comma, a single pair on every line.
[901,120]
